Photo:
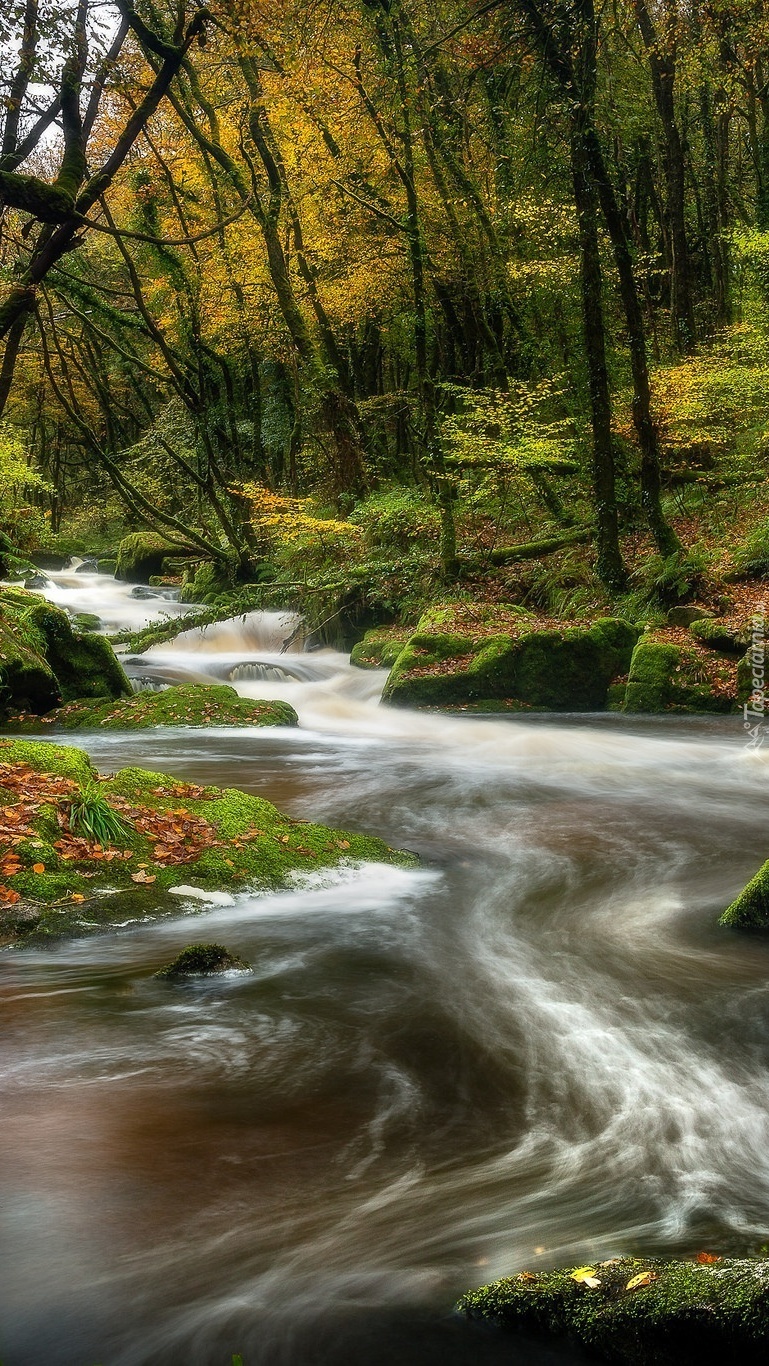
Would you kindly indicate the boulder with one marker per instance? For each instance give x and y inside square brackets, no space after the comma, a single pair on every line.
[140,555]
[668,677]
[640,1311]
[379,648]
[44,661]
[719,635]
[566,669]
[685,614]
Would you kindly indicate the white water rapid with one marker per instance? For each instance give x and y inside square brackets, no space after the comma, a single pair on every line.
[539,1047]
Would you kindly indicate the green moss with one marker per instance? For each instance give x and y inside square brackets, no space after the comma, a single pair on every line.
[568,669]
[86,621]
[140,555]
[255,847]
[690,1314]
[203,960]
[750,910]
[717,636]
[379,648]
[666,677]
[187,704]
[209,583]
[44,661]
[106,566]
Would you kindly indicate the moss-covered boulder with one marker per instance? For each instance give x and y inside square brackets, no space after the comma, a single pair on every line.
[668,677]
[44,661]
[564,668]
[379,648]
[107,565]
[208,583]
[727,637]
[141,555]
[60,881]
[750,910]
[202,960]
[648,1312]
[186,704]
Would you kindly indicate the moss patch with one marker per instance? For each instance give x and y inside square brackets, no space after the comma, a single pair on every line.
[58,884]
[188,704]
[142,554]
[730,637]
[750,910]
[679,1313]
[553,668]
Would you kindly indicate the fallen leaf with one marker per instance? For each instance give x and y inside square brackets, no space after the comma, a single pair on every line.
[643,1278]
[38,867]
[707,1258]
[585,1275]
[141,876]
[526,1276]
[8,895]
[77,896]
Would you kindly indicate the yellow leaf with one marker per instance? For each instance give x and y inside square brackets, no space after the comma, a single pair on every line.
[643,1278]
[586,1276]
[77,896]
[38,867]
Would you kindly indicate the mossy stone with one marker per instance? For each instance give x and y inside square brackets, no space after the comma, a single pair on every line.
[566,669]
[750,910]
[203,960]
[140,555]
[44,661]
[667,677]
[716,636]
[106,566]
[185,704]
[681,1313]
[379,648]
[207,585]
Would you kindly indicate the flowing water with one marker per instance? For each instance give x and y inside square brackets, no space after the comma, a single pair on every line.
[536,1048]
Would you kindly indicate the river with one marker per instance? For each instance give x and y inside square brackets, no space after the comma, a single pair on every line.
[537,1048]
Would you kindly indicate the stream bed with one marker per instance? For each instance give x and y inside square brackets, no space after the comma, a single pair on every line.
[537,1048]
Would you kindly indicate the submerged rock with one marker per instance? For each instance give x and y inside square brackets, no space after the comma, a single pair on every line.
[648,1312]
[184,704]
[203,960]
[44,661]
[750,910]
[171,832]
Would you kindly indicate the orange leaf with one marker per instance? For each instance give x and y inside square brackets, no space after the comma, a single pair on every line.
[38,867]
[77,896]
[9,895]
[707,1258]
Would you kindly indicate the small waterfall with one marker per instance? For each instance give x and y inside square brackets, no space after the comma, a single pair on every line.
[267,632]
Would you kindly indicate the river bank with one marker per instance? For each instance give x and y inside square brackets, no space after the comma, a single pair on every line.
[536,1049]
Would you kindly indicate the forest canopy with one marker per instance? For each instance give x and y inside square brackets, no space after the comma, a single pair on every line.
[386,287]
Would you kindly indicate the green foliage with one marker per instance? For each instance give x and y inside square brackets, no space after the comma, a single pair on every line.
[91,816]
[671,580]
[21,488]
[397,519]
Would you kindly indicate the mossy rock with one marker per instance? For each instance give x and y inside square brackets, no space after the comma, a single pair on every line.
[716,635]
[568,669]
[750,910]
[86,621]
[207,585]
[235,842]
[44,661]
[141,555]
[106,566]
[666,677]
[679,1313]
[186,704]
[203,960]
[379,648]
